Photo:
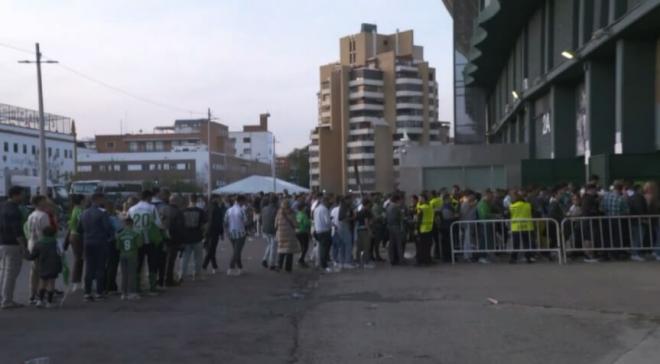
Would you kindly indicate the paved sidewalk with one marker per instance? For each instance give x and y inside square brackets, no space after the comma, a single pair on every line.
[543,313]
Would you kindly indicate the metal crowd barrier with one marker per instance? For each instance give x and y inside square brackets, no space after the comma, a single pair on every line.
[487,237]
[631,233]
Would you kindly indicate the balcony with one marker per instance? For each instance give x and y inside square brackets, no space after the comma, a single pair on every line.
[359,156]
[407,68]
[314,171]
[361,143]
[409,81]
[365,81]
[313,148]
[403,118]
[374,107]
[366,94]
[406,93]
[325,114]
[325,91]
[409,131]
[365,131]
[365,119]
[409,105]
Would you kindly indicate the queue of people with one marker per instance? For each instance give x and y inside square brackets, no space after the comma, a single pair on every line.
[163,239]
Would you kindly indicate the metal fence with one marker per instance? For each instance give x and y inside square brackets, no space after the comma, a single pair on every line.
[482,238]
[589,234]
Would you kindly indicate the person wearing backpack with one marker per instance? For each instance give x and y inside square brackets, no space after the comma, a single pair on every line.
[48,259]
[194,219]
[147,221]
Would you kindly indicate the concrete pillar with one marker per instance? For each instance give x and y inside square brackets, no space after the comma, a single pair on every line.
[562,119]
[635,96]
[599,84]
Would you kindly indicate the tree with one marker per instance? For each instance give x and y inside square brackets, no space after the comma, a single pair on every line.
[297,167]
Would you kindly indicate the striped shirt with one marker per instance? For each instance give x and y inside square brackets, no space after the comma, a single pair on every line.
[235,220]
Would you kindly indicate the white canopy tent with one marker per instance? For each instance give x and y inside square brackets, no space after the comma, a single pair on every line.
[256,184]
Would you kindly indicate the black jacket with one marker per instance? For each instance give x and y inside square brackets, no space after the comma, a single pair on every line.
[216,220]
[10,223]
[194,219]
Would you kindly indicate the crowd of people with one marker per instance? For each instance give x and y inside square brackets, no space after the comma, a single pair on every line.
[163,239]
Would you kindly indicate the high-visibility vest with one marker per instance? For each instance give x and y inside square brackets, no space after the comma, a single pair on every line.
[521,210]
[436,203]
[427,212]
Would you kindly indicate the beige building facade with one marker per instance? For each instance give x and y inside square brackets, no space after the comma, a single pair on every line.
[379,97]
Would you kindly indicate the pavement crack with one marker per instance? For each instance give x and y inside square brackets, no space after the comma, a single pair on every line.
[633,348]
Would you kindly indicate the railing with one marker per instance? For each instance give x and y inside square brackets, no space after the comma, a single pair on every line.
[631,233]
[488,237]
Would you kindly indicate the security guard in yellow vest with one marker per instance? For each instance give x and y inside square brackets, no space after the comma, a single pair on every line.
[436,204]
[522,227]
[425,215]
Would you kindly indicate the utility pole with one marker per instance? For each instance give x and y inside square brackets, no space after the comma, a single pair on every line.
[43,185]
[208,141]
[273,165]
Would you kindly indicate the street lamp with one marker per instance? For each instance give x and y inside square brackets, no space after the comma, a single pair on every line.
[568,54]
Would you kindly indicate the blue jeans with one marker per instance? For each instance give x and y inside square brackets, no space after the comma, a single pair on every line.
[95,258]
[345,253]
[196,251]
[336,242]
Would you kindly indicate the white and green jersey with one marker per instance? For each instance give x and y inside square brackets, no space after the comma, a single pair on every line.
[144,215]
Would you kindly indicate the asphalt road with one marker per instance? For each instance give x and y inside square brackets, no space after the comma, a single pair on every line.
[544,313]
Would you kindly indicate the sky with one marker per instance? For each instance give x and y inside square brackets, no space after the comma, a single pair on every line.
[238,57]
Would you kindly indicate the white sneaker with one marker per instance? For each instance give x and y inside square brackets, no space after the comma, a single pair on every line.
[213,271]
[39,304]
[328,270]
[637,258]
[75,287]
[483,261]
[230,272]
[348,266]
[657,258]
[124,297]
[369,266]
[590,260]
[133,297]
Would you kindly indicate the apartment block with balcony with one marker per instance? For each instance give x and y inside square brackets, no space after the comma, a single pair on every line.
[380,96]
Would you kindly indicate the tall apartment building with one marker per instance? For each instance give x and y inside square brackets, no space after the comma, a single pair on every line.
[378,97]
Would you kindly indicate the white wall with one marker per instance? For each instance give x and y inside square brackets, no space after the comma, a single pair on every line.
[60,163]
[260,145]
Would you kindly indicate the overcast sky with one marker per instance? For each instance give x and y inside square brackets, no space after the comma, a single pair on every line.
[239,57]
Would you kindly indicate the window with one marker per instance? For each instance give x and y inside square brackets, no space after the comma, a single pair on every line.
[15,147]
[166,167]
[247,151]
[134,167]
[181,166]
[83,168]
[57,153]
[133,146]
[160,145]
[246,140]
[6,147]
[102,168]
[50,152]
[34,149]
[150,146]
[110,145]
[152,166]
[117,167]
[24,148]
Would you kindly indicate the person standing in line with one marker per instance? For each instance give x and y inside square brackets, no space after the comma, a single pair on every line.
[214,233]
[46,253]
[436,205]
[322,231]
[302,232]
[614,204]
[194,219]
[96,230]
[448,216]
[378,227]
[638,226]
[160,201]
[394,221]
[287,242]
[268,214]
[522,228]
[128,242]
[36,223]
[175,235]
[425,215]
[75,240]
[146,220]
[12,243]
[112,263]
[363,223]
[335,236]
[236,221]
[485,231]
[346,219]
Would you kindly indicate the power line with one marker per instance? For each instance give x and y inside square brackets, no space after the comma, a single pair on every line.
[109,86]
